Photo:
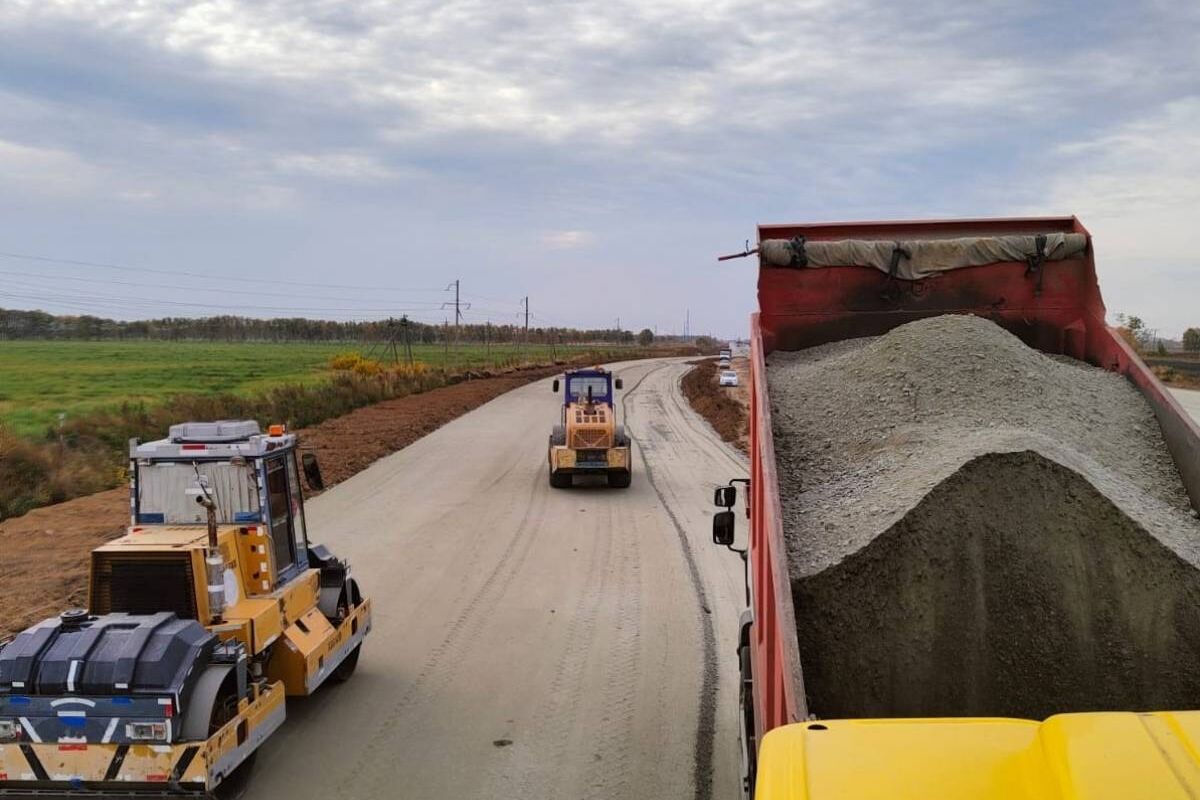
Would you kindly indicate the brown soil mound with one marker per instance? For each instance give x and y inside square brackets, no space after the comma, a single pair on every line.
[725,408]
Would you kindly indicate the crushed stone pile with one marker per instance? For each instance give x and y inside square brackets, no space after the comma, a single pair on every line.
[976,528]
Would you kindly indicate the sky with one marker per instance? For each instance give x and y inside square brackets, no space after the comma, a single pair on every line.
[351,159]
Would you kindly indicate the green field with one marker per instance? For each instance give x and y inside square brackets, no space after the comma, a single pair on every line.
[41,379]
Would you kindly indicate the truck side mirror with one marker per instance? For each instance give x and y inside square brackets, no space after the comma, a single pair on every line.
[725,496]
[723,528]
[312,471]
[554,385]
[620,384]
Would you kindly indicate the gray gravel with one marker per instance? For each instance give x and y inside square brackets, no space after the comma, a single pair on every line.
[925,478]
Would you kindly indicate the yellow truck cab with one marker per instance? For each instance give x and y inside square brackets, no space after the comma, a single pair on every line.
[1093,756]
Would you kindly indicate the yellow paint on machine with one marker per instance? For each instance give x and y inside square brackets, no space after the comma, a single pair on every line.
[1092,756]
[566,458]
[142,762]
[309,644]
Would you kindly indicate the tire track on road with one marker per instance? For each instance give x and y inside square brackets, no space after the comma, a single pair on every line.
[439,665]
[706,719]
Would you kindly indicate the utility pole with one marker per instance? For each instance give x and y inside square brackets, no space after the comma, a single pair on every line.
[407,343]
[687,325]
[458,306]
[526,301]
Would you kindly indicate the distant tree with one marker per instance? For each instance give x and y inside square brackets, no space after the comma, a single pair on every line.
[1191,340]
[1133,329]
[1161,349]
[645,337]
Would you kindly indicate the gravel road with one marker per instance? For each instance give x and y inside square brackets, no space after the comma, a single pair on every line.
[1190,400]
[529,642]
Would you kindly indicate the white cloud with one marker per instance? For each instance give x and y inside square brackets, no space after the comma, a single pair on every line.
[567,240]
[612,127]
[45,172]
[353,167]
[1137,189]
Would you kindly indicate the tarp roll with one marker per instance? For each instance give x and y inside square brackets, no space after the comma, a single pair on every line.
[925,256]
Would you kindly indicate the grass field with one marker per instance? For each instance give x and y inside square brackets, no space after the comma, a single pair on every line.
[40,380]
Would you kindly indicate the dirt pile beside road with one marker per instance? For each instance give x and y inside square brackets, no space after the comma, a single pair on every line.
[46,551]
[725,408]
[974,527]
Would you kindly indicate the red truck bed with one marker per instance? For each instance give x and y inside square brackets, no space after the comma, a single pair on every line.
[1059,311]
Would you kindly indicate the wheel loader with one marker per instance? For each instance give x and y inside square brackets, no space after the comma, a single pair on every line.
[588,440]
[208,613]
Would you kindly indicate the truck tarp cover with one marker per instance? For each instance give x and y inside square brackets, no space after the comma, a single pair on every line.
[919,258]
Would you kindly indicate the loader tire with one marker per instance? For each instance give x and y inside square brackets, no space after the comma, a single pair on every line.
[620,480]
[560,480]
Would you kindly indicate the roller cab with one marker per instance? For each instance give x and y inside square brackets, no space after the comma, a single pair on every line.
[209,611]
[588,440]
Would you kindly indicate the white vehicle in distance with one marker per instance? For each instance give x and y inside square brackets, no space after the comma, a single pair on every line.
[728,378]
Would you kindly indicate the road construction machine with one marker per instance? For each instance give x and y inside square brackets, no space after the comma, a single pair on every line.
[208,612]
[588,440]
[1036,278]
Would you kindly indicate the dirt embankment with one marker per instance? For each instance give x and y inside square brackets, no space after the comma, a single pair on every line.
[46,551]
[725,407]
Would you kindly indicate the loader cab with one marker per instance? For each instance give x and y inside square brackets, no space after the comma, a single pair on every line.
[588,386]
[253,478]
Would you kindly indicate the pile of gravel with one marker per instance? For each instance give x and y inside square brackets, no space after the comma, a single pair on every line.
[974,527]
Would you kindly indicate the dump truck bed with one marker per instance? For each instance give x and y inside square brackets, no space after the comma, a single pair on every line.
[1054,306]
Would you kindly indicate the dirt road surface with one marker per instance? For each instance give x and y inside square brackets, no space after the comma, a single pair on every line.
[1190,400]
[528,642]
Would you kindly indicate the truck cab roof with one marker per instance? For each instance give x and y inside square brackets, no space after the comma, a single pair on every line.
[1066,757]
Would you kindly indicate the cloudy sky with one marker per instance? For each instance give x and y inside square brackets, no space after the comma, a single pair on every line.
[349,159]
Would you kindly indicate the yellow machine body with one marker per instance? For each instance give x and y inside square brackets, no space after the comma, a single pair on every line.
[588,439]
[261,612]
[1091,756]
[186,765]
[296,628]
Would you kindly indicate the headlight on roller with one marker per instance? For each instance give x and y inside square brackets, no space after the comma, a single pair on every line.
[10,730]
[146,731]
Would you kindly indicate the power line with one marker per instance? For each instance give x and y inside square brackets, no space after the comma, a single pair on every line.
[205,276]
[41,294]
[193,288]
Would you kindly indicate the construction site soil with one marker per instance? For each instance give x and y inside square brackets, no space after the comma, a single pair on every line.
[725,408]
[46,551]
[976,528]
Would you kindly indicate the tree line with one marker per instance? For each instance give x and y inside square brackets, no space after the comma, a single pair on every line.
[17,324]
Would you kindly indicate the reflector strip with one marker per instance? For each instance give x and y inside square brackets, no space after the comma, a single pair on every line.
[71,675]
[110,730]
[29,731]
